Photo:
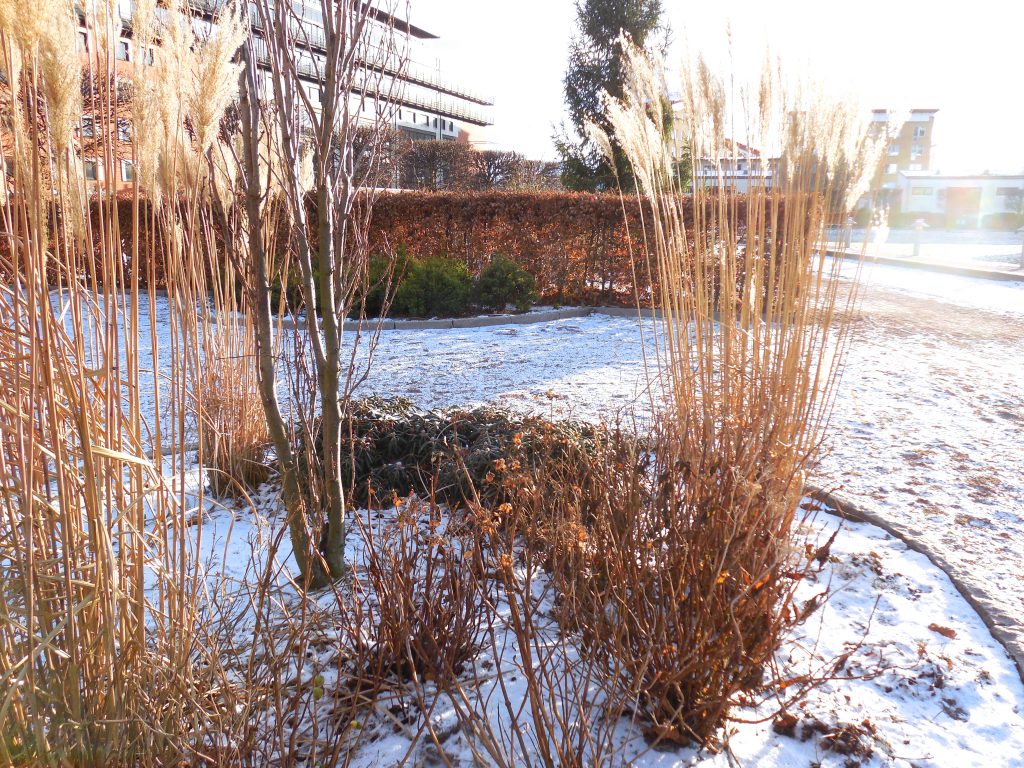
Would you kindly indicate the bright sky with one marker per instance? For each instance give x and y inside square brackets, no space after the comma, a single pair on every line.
[963,58]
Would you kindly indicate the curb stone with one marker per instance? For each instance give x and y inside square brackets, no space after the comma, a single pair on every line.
[487,321]
[1004,627]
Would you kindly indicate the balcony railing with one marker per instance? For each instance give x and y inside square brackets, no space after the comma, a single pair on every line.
[312,36]
[443,106]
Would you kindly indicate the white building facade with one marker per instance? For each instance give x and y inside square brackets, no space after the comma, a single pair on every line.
[422,101]
[986,200]
[740,170]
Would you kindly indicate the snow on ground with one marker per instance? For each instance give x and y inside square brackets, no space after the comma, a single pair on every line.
[927,432]
[923,685]
[927,429]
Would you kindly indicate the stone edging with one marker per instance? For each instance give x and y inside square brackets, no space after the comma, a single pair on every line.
[932,266]
[998,620]
[486,321]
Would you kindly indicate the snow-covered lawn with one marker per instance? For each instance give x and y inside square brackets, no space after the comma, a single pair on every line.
[928,424]
[967,248]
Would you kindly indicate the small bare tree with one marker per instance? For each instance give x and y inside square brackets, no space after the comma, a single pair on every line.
[497,169]
[436,165]
[315,104]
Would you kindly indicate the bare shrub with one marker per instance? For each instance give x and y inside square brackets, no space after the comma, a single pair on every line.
[429,601]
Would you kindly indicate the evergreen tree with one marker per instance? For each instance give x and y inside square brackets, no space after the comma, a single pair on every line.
[595,66]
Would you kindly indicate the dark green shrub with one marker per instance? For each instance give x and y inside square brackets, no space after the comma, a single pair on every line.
[292,290]
[504,282]
[462,455]
[435,287]
[382,281]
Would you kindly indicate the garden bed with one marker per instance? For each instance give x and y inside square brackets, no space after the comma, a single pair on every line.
[912,677]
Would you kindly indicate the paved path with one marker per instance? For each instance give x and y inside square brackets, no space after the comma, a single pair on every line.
[929,435]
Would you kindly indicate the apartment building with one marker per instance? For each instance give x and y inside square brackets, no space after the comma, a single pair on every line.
[738,169]
[909,149]
[423,102]
[427,103]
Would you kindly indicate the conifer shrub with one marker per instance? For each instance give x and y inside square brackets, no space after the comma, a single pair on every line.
[435,287]
[504,282]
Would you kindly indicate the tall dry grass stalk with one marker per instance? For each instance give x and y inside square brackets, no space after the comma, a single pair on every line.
[700,581]
[105,636]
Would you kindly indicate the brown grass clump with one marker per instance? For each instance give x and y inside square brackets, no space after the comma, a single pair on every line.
[689,594]
[235,441]
[107,633]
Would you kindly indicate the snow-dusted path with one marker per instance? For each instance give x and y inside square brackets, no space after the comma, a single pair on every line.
[928,429]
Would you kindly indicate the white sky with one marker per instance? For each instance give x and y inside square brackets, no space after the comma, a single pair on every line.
[965,58]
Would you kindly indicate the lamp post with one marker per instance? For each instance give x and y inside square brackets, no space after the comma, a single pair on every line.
[919,226]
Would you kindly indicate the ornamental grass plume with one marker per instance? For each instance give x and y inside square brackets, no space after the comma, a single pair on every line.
[699,583]
[61,75]
[215,78]
[107,654]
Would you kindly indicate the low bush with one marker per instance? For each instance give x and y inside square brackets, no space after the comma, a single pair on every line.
[382,280]
[504,282]
[435,287]
[430,602]
[459,456]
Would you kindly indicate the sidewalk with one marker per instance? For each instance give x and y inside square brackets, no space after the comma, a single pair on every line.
[931,265]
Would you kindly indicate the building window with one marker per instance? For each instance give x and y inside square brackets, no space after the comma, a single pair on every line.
[122,51]
[124,130]
[916,152]
[88,129]
[91,170]
[894,149]
[83,40]
[916,167]
[891,168]
[920,191]
[127,170]
[919,132]
[148,56]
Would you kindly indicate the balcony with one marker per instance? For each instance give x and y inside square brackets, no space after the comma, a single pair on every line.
[435,102]
[312,37]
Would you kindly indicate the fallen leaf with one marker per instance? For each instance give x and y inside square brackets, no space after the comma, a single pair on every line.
[944,631]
